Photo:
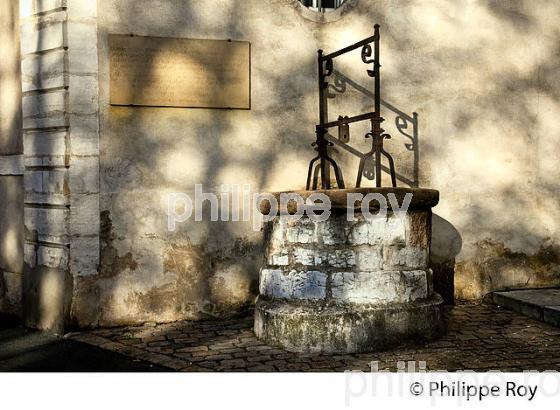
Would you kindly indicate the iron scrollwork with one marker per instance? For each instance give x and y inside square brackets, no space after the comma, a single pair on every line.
[370,162]
[326,71]
[366,54]
[401,123]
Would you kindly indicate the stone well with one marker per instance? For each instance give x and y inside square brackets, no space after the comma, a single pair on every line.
[341,286]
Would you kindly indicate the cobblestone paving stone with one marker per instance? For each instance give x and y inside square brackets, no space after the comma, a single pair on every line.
[479,337]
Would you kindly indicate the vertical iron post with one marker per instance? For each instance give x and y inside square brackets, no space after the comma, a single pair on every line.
[377,130]
[321,141]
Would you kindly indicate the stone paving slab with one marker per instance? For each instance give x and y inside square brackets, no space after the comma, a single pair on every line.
[479,337]
[540,304]
[551,314]
[28,350]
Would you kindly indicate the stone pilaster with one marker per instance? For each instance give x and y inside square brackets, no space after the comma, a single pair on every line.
[11,162]
[61,154]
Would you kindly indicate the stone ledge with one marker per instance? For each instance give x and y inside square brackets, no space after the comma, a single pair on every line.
[11,165]
[541,304]
[308,327]
[422,198]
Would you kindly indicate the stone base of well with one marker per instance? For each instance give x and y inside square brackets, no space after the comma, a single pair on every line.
[350,284]
[303,326]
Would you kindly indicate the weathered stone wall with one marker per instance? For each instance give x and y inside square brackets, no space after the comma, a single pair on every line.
[381,260]
[206,268]
[11,168]
[60,146]
[482,76]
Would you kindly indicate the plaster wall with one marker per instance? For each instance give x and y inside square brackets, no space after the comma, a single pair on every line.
[482,76]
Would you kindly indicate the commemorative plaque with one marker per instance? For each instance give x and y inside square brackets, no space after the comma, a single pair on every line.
[179,72]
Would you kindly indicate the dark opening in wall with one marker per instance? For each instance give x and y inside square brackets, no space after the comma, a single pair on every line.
[322,5]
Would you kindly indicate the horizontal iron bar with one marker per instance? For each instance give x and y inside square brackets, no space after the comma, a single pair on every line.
[356,118]
[359,154]
[349,48]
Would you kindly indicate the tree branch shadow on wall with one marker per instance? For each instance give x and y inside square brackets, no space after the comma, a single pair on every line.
[405,124]
[446,239]
[11,186]
[195,253]
[46,290]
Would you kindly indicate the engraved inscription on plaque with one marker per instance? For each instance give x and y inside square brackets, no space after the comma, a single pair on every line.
[179,72]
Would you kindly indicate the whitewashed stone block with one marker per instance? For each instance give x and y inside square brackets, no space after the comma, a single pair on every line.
[395,230]
[84,218]
[82,9]
[359,234]
[406,257]
[273,282]
[85,135]
[334,233]
[83,61]
[308,284]
[295,284]
[33,181]
[44,110]
[28,8]
[82,35]
[304,231]
[44,143]
[84,256]
[430,280]
[279,259]
[83,95]
[30,255]
[46,187]
[84,175]
[365,287]
[48,224]
[368,231]
[44,33]
[379,287]
[11,165]
[341,258]
[369,259]
[415,285]
[308,257]
[279,231]
[43,71]
[55,181]
[52,257]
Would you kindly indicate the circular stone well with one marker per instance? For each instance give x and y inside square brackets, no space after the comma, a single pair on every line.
[349,286]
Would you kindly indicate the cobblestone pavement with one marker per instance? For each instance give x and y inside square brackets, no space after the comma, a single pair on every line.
[479,337]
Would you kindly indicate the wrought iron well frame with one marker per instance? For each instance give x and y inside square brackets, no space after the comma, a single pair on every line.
[377,134]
